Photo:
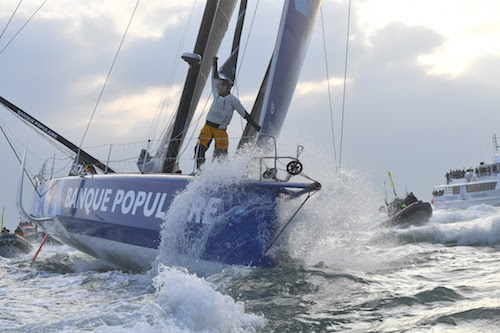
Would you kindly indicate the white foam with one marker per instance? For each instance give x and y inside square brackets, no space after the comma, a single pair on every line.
[197,201]
[196,306]
[455,215]
[478,225]
[336,224]
[483,231]
[182,302]
[185,302]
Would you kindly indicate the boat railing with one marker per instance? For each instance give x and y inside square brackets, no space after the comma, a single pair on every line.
[293,165]
[123,158]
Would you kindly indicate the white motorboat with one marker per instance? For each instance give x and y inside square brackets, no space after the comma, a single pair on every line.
[475,186]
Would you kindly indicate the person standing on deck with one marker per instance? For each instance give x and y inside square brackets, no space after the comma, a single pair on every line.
[219,116]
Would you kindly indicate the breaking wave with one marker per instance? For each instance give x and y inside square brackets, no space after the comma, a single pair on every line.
[478,225]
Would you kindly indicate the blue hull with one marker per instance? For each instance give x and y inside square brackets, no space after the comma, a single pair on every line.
[119,218]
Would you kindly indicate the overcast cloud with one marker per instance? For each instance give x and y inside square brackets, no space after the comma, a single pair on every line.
[422,90]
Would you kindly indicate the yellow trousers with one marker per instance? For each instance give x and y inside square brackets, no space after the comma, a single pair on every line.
[219,135]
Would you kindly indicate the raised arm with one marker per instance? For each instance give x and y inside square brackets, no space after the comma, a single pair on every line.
[214,68]
[215,76]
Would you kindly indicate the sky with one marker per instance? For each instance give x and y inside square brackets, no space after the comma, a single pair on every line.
[421,95]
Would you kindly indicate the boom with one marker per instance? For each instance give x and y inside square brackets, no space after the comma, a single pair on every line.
[84,156]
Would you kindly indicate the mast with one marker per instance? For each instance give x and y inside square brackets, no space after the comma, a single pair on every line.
[188,91]
[228,69]
[213,26]
[496,157]
[83,155]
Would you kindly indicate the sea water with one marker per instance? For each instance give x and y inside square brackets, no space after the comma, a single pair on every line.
[346,273]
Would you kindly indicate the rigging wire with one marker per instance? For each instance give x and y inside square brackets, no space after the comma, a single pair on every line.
[345,80]
[159,146]
[7,25]
[245,48]
[204,110]
[329,89]
[243,57]
[107,77]
[24,25]
[164,105]
[248,38]
[20,142]
[310,194]
[19,159]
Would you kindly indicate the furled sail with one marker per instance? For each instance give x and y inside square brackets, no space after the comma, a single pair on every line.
[228,69]
[297,23]
[212,29]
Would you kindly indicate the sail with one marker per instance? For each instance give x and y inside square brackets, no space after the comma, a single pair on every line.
[212,29]
[294,35]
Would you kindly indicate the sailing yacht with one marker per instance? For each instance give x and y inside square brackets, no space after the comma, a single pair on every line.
[119,217]
[475,186]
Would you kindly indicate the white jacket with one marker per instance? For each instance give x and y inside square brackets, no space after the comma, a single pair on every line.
[222,108]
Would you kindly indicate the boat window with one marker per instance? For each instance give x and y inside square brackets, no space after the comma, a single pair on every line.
[456,189]
[483,172]
[481,187]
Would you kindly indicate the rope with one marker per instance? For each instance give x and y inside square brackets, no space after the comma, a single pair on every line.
[18,142]
[17,33]
[246,42]
[165,129]
[329,90]
[196,127]
[243,57]
[36,132]
[168,85]
[107,77]
[310,194]
[19,159]
[345,80]
[15,10]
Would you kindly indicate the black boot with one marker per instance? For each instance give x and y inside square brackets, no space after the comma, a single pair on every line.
[200,159]
[221,153]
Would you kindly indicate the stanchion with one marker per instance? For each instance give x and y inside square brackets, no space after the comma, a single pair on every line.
[44,239]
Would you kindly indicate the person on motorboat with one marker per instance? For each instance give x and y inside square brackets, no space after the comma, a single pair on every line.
[19,232]
[395,206]
[5,230]
[410,198]
[400,204]
[218,117]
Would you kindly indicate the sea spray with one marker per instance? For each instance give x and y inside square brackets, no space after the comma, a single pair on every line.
[479,225]
[442,216]
[337,223]
[199,205]
[190,301]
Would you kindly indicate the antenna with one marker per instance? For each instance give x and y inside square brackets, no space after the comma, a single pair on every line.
[495,144]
